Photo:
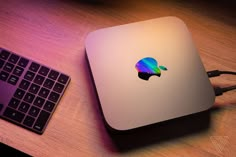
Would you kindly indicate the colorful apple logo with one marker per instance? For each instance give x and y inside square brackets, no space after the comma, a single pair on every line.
[148,67]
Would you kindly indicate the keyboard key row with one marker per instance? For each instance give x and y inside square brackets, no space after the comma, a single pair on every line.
[24,106]
[13,114]
[43,70]
[29,119]
[30,77]
[44,93]
[17,70]
[14,58]
[52,75]
[34,88]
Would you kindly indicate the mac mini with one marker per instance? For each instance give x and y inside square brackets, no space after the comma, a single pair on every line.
[147,72]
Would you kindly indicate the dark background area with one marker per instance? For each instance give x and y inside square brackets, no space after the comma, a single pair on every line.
[11,152]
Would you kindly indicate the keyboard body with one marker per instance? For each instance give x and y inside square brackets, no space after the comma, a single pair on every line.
[29,91]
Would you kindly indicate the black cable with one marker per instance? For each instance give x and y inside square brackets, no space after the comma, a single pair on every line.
[228,72]
[215,73]
[220,90]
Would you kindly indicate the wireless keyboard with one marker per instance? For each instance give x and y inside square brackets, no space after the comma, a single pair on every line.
[29,91]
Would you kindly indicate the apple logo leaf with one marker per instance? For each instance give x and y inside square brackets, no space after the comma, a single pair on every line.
[162,67]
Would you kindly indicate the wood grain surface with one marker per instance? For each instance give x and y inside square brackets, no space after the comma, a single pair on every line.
[53,32]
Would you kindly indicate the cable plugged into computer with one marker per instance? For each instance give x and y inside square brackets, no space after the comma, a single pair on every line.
[220,90]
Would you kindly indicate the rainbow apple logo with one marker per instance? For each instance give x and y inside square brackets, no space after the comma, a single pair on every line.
[148,67]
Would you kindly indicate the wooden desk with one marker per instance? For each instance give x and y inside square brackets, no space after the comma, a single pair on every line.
[53,32]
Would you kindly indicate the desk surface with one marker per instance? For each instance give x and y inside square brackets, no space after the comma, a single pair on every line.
[53,33]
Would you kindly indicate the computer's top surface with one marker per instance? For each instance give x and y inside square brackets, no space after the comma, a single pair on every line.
[147,72]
